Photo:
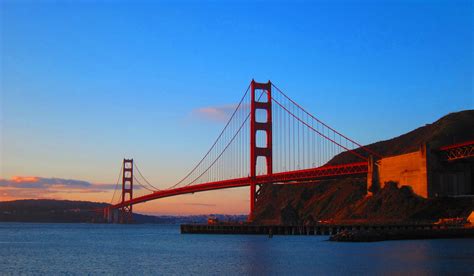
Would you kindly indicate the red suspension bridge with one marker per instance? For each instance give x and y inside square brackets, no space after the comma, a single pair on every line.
[268,139]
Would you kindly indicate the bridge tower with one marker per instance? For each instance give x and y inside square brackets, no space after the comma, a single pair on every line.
[126,215]
[263,126]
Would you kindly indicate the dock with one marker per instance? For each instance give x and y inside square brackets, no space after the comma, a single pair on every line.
[310,230]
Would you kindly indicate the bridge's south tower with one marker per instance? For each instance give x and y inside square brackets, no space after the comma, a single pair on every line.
[261,99]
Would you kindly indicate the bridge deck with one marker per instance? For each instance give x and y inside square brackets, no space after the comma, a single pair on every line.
[320,173]
[459,151]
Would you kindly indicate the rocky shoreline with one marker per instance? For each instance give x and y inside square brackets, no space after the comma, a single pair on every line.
[412,234]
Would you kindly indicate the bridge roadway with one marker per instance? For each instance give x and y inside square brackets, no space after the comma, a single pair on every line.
[320,173]
[459,151]
[453,152]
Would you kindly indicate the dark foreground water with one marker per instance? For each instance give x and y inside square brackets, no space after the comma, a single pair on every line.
[161,249]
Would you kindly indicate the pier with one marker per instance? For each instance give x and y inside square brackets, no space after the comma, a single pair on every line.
[311,230]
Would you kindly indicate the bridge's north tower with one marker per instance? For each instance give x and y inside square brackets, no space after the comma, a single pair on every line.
[261,99]
[126,215]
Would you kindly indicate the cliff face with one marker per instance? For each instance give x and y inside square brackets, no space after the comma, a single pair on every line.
[345,199]
[308,202]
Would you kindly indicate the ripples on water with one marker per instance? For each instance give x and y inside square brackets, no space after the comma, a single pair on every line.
[161,249]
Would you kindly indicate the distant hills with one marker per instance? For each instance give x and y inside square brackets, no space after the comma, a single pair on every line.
[66,211]
[44,210]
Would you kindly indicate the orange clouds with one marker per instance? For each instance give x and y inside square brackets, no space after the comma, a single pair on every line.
[19,179]
[26,187]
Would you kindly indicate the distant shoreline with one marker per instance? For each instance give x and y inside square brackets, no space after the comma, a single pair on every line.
[68,211]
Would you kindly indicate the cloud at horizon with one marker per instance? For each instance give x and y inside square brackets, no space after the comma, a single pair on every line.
[21,187]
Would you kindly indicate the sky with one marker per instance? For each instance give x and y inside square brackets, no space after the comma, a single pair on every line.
[85,84]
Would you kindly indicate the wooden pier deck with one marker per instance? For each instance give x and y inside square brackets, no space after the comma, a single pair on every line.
[326,229]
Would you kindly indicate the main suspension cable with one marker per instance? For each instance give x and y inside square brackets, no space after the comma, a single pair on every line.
[143,186]
[144,178]
[312,128]
[116,185]
[225,148]
[319,121]
[215,142]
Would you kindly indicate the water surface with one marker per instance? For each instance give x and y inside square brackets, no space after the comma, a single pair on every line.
[27,248]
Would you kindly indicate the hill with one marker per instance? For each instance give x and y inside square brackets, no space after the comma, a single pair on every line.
[44,210]
[453,128]
[346,200]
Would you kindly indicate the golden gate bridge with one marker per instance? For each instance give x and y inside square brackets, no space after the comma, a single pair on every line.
[268,139]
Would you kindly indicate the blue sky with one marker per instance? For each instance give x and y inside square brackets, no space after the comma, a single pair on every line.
[86,83]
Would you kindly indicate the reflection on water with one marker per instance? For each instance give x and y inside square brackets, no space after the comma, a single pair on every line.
[152,249]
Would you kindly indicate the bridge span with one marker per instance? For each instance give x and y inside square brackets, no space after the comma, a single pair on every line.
[268,139]
[325,172]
